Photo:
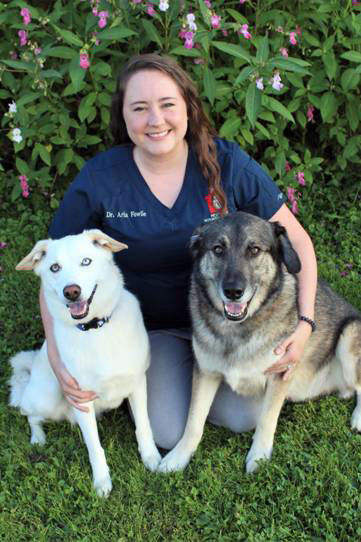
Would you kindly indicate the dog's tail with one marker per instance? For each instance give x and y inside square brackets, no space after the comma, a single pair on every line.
[21,364]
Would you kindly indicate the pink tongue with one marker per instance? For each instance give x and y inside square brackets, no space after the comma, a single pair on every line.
[235,308]
[77,308]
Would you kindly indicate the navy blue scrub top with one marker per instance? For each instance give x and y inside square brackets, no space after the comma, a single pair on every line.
[110,193]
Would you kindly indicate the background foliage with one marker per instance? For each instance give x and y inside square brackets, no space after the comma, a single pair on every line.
[306,134]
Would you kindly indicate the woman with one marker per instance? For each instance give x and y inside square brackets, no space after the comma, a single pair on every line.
[170,176]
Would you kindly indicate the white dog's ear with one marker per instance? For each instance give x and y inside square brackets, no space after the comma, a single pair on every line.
[102,239]
[33,258]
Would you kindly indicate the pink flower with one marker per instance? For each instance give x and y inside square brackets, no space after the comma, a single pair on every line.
[25,13]
[244,31]
[298,30]
[208,4]
[13,55]
[259,83]
[242,1]
[224,32]
[183,32]
[23,37]
[95,11]
[103,15]
[293,40]
[3,245]
[24,186]
[137,1]
[37,51]
[310,111]
[294,207]
[191,21]
[84,61]
[291,194]
[189,43]
[288,166]
[284,52]
[215,21]
[300,176]
[150,10]
[276,81]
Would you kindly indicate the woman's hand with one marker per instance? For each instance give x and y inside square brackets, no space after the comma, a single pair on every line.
[292,349]
[70,387]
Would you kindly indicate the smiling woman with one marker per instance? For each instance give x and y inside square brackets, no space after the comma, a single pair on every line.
[167,174]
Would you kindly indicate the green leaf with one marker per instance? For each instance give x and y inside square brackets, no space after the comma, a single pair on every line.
[287,64]
[310,39]
[204,12]
[277,107]
[85,106]
[263,51]
[18,64]
[233,50]
[330,63]
[28,98]
[353,56]
[350,79]
[230,127]
[263,130]
[182,51]
[115,33]
[22,166]
[44,153]
[253,103]
[77,74]
[152,32]
[61,52]
[209,84]
[69,37]
[328,106]
[246,72]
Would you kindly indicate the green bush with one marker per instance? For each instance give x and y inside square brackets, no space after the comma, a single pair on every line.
[304,121]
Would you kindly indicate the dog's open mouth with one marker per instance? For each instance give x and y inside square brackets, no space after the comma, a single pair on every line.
[235,311]
[80,309]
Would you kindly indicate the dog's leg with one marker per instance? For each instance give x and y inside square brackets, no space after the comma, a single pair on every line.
[146,445]
[204,388]
[88,425]
[37,433]
[262,445]
[348,353]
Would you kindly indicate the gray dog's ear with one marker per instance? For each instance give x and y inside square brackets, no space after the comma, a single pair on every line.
[288,254]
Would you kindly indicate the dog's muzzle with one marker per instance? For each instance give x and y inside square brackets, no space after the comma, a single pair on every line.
[80,309]
[236,311]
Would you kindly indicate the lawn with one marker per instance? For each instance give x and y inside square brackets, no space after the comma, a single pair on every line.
[308,492]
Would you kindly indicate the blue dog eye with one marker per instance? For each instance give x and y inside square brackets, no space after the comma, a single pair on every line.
[55,268]
[86,261]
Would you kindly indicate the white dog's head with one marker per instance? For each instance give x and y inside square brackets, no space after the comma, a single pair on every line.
[78,274]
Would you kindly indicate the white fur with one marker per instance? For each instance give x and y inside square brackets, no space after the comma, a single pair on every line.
[111,360]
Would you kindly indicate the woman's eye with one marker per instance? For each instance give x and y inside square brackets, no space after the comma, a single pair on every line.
[168,105]
[55,267]
[86,261]
[218,249]
[254,250]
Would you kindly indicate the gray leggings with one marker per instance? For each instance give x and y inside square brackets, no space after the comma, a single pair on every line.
[169,384]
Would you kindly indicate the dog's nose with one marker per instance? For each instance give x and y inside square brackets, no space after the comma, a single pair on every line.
[72,292]
[233,293]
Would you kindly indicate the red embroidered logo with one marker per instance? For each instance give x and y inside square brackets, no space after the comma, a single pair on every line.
[213,204]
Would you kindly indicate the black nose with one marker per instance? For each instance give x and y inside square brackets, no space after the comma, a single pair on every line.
[72,292]
[233,292]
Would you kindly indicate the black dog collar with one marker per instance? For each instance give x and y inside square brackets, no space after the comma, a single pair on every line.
[93,324]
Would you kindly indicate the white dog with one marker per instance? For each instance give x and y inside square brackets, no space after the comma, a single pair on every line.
[101,339]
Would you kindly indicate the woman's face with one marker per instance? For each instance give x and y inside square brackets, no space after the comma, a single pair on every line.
[155,114]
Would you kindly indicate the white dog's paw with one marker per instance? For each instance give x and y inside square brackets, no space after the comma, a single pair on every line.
[356,420]
[254,456]
[152,460]
[103,487]
[175,460]
[38,436]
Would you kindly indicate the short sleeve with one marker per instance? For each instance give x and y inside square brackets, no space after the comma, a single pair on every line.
[78,209]
[253,189]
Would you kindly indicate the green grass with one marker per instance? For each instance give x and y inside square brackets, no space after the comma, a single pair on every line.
[308,492]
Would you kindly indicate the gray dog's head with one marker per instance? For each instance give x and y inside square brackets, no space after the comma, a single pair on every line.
[237,259]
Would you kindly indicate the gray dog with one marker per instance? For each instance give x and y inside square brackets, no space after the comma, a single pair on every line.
[244,303]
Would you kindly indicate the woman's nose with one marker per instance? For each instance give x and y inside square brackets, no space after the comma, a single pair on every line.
[155,117]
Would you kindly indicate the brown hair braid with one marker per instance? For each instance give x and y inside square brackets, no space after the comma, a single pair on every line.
[200,132]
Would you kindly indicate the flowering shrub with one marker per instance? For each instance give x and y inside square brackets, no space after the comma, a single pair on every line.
[281,81]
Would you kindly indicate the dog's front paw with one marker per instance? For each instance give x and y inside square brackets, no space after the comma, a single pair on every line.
[152,460]
[103,487]
[176,459]
[356,419]
[254,456]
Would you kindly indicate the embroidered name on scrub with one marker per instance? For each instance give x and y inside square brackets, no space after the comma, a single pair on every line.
[125,214]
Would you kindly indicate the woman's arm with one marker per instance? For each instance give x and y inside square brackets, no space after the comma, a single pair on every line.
[69,385]
[293,346]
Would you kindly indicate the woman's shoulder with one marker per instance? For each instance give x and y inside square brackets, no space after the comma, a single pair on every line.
[110,158]
[233,150]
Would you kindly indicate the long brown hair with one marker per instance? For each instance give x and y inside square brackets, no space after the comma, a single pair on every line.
[200,134]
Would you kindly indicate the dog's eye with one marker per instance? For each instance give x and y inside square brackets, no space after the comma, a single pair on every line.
[86,261]
[218,249]
[254,250]
[55,267]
